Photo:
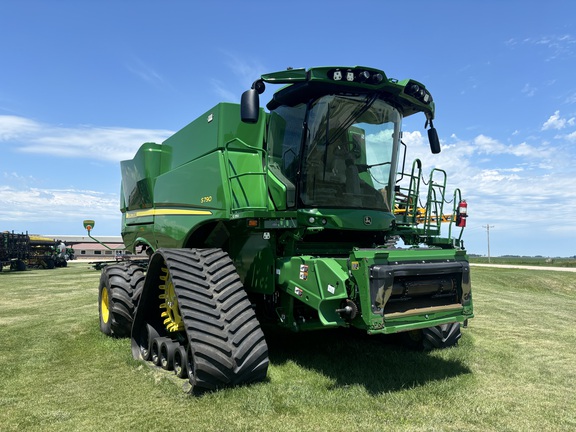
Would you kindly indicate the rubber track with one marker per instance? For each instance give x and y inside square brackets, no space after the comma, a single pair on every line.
[125,285]
[227,342]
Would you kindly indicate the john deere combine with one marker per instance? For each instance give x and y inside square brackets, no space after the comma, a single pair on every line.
[291,216]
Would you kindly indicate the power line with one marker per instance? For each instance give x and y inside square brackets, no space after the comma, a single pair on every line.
[488,236]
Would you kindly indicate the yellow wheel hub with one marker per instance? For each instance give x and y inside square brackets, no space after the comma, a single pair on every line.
[104,305]
[171,312]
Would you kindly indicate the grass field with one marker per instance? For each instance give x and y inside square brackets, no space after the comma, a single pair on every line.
[529,261]
[514,370]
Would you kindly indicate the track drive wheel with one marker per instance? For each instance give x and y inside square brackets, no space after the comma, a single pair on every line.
[195,296]
[118,294]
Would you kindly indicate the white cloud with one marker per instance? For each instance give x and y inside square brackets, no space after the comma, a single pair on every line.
[571,136]
[224,93]
[146,73]
[558,46]
[529,90]
[244,70]
[488,145]
[15,176]
[104,143]
[12,126]
[485,144]
[571,98]
[58,205]
[557,122]
[514,188]
[495,175]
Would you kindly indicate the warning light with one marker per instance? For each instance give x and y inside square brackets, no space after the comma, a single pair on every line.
[88,225]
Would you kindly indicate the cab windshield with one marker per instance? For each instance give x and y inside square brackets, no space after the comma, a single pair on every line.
[345,157]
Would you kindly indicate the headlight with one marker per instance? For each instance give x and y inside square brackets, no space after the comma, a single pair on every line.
[418,91]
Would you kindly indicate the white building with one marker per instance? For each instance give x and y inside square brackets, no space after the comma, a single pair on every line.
[85,246]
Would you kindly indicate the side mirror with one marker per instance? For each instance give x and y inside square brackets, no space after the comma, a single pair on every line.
[250,106]
[433,140]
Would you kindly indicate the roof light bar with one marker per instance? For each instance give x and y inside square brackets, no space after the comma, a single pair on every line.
[418,91]
[355,75]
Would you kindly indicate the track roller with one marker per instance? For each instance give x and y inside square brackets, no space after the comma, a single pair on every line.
[145,339]
[155,356]
[180,360]
[167,350]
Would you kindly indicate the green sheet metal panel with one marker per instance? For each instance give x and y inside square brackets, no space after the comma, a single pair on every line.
[138,176]
[211,131]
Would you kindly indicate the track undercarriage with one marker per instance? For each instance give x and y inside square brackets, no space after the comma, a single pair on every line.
[193,317]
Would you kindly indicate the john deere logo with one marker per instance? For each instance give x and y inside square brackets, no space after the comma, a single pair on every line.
[367,220]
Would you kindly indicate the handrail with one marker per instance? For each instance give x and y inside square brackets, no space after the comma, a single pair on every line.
[456,201]
[408,205]
[435,202]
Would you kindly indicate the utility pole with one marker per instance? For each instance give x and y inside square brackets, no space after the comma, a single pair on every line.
[488,235]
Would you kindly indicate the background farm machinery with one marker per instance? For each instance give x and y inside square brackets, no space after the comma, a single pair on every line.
[20,251]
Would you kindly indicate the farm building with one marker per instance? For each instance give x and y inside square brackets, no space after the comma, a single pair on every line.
[85,247]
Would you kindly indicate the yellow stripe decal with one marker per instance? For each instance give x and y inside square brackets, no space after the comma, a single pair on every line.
[166,212]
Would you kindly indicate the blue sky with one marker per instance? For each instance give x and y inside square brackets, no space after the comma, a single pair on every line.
[84,83]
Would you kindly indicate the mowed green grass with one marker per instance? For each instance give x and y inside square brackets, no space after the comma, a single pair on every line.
[514,369]
[529,261]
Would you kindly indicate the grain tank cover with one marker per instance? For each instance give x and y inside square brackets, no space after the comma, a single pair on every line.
[214,130]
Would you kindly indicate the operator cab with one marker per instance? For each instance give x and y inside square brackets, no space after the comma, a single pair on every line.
[333,134]
[337,151]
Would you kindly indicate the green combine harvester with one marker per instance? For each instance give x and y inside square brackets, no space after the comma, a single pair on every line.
[290,216]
